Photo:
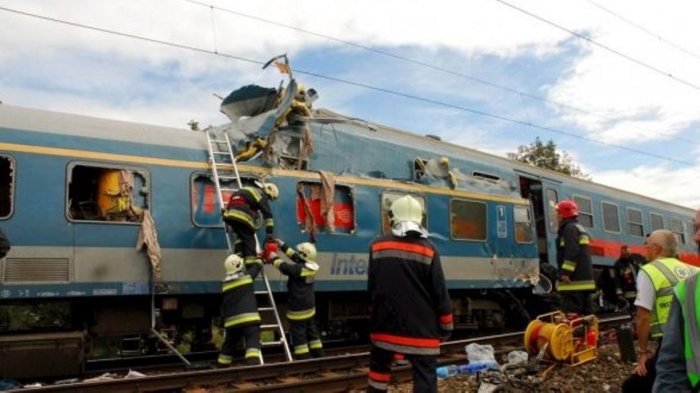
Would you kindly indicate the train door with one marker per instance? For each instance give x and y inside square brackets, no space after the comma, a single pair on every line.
[533,190]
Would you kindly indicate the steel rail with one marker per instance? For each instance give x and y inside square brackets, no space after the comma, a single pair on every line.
[279,371]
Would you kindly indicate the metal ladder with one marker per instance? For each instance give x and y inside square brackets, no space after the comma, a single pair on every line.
[231,172]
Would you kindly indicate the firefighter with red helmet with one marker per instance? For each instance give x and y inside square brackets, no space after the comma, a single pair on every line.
[574,260]
[239,215]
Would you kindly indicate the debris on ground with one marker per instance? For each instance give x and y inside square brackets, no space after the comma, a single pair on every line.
[604,374]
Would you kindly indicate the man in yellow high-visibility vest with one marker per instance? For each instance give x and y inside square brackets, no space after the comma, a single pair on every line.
[655,283]
[678,367]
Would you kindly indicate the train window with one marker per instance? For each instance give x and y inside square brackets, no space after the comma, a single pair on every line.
[585,211]
[467,220]
[657,221]
[486,176]
[676,227]
[7,185]
[107,193]
[611,217]
[206,211]
[552,200]
[523,224]
[317,210]
[635,226]
[388,197]
[691,230]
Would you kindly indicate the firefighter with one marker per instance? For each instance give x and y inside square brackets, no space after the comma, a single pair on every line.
[411,308]
[4,244]
[574,260]
[626,270]
[240,312]
[239,215]
[301,308]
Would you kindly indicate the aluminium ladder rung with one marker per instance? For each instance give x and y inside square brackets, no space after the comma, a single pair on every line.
[232,167]
[272,343]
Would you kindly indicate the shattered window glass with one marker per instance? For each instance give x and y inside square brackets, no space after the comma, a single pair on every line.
[206,211]
[552,200]
[103,193]
[7,185]
[388,197]
[317,209]
[467,220]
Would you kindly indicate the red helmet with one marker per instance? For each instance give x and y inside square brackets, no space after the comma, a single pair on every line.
[567,208]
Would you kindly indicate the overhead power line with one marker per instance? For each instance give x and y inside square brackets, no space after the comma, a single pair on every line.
[348,82]
[645,30]
[603,46]
[421,63]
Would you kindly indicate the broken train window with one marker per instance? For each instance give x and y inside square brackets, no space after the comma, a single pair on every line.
[7,185]
[291,148]
[107,193]
[388,197]
[206,211]
[318,209]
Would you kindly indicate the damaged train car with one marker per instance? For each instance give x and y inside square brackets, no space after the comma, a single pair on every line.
[76,192]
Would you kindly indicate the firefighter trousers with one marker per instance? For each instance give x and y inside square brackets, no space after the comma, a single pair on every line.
[306,339]
[245,246]
[251,335]
[578,302]
[424,373]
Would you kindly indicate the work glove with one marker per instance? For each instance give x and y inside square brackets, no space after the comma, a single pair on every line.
[270,257]
[279,242]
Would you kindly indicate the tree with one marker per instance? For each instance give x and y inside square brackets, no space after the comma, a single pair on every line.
[546,156]
[194,125]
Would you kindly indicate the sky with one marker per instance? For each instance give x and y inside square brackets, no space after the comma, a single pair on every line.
[626,74]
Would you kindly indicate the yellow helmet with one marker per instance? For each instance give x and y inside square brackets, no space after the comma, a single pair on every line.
[406,208]
[301,89]
[233,264]
[444,161]
[307,251]
[271,190]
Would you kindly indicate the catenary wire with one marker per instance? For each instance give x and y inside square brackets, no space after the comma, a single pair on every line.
[645,30]
[434,67]
[603,46]
[352,83]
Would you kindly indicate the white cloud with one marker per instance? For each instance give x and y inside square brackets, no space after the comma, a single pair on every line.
[661,182]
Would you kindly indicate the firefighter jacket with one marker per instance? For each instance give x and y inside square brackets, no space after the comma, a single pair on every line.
[411,307]
[245,204]
[301,304]
[4,245]
[240,307]
[664,274]
[574,256]
[626,270]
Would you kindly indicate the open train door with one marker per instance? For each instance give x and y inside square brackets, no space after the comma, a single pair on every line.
[543,196]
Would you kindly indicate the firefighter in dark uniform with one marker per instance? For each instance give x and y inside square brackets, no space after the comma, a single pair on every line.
[240,313]
[411,308]
[626,269]
[301,305]
[240,213]
[574,260]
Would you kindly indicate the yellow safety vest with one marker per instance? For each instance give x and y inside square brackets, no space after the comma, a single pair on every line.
[664,274]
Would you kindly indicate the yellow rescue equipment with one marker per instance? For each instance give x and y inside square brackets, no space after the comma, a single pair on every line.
[569,339]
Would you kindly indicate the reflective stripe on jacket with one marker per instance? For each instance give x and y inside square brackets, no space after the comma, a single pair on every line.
[245,204]
[410,302]
[688,294]
[664,274]
[239,306]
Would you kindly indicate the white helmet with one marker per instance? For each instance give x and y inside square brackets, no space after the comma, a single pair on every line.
[307,251]
[271,190]
[406,208]
[233,264]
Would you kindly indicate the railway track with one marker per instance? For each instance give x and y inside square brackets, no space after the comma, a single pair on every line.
[332,373]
